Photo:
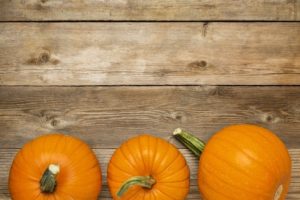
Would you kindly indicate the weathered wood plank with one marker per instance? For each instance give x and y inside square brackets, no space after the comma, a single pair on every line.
[149,54]
[104,157]
[272,10]
[105,116]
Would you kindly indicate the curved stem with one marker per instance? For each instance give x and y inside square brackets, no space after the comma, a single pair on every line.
[190,141]
[48,180]
[143,181]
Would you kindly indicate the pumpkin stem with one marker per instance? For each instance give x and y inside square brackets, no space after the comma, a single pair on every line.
[278,192]
[143,181]
[190,141]
[48,180]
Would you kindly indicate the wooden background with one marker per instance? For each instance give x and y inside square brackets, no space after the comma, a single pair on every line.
[105,71]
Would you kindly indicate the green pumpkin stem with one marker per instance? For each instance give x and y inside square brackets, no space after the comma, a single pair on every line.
[190,141]
[143,181]
[48,180]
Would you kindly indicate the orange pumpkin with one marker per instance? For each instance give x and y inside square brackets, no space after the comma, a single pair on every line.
[241,162]
[146,167]
[55,167]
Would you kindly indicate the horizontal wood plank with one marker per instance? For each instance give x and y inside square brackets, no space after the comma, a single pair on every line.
[150,54]
[106,116]
[104,156]
[272,10]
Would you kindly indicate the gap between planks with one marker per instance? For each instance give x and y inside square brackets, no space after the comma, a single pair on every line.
[150,21]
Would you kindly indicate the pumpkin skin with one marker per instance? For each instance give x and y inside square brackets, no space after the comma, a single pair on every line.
[146,155]
[79,177]
[244,162]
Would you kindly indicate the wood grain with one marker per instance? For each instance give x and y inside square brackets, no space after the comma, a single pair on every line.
[92,80]
[149,53]
[106,116]
[272,10]
[104,156]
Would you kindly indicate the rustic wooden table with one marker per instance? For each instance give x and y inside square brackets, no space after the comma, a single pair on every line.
[105,71]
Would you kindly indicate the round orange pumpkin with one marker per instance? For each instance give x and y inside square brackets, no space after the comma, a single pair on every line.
[241,162]
[55,167]
[147,167]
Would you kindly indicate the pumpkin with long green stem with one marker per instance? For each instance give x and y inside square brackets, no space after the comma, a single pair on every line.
[240,162]
[55,167]
[147,167]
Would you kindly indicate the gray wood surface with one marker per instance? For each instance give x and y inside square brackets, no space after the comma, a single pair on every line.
[104,156]
[63,69]
[106,116]
[149,53]
[28,10]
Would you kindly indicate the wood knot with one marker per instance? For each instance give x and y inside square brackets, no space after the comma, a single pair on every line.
[268,118]
[44,58]
[217,91]
[54,123]
[178,116]
[198,65]
[41,5]
[49,119]
[41,59]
